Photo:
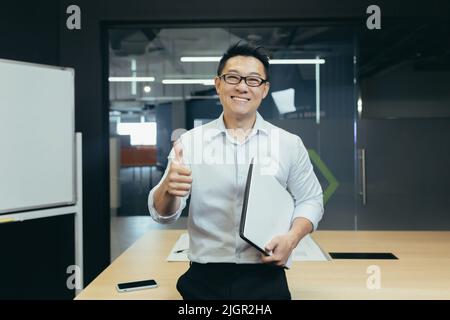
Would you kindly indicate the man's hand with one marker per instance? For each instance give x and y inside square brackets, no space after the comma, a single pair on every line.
[179,178]
[281,248]
[283,245]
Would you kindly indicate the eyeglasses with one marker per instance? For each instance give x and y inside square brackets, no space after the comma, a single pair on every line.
[251,81]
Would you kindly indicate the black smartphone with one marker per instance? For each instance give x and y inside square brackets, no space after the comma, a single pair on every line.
[136,285]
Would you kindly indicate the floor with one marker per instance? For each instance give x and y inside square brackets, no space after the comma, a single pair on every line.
[126,230]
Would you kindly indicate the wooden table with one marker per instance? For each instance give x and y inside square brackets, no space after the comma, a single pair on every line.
[422,271]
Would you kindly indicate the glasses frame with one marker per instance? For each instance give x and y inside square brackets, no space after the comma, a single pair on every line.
[245,79]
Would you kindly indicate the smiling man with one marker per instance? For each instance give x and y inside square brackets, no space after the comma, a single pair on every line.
[210,164]
[241,95]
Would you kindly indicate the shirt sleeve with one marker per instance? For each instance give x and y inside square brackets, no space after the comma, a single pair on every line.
[304,187]
[166,219]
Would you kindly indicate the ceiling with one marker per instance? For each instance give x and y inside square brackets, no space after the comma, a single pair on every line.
[156,52]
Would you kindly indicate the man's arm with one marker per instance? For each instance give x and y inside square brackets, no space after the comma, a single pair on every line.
[166,197]
[165,203]
[305,187]
[307,193]
[300,228]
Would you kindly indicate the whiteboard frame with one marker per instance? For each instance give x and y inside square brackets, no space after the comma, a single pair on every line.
[72,115]
[76,209]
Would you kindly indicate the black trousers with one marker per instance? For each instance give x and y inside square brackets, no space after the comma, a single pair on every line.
[230,281]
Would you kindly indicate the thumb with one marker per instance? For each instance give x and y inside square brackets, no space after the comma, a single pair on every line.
[271,245]
[178,150]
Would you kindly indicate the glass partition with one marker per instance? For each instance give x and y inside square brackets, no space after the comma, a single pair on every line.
[164,75]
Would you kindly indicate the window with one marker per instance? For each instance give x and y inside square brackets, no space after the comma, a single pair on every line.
[141,133]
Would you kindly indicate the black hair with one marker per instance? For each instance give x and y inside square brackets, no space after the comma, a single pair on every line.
[247,50]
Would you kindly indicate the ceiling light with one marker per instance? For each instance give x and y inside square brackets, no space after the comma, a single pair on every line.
[200,59]
[131,79]
[206,82]
[297,61]
[147,89]
[271,61]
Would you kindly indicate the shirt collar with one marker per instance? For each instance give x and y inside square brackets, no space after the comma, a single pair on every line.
[260,126]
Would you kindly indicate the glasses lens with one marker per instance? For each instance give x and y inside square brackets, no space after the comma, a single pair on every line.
[232,79]
[253,81]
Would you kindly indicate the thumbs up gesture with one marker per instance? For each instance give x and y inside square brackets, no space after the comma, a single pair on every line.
[178,150]
[179,178]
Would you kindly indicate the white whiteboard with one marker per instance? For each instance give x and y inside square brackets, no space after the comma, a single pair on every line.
[37,136]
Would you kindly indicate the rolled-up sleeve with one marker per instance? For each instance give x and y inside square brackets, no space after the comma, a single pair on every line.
[166,219]
[304,186]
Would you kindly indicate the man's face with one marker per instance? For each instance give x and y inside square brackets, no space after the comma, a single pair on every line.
[240,100]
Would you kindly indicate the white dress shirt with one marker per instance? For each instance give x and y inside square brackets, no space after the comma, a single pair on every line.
[219,167]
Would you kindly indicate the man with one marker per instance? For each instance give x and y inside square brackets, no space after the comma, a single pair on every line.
[210,164]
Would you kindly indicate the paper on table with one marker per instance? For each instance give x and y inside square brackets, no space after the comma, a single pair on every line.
[180,249]
[307,250]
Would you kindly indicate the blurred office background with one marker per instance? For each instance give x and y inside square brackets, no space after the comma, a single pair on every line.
[373,109]
[372,112]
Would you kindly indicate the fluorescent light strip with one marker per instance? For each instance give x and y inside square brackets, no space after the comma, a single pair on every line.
[131,79]
[200,59]
[271,61]
[205,82]
[297,61]
[317,67]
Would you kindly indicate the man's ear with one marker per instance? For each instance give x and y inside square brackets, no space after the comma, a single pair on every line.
[217,84]
[266,89]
